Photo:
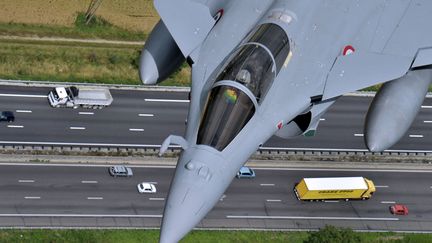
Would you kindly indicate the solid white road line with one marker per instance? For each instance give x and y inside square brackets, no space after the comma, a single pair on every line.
[156,199]
[26,181]
[23,95]
[94,198]
[267,184]
[77,128]
[415,136]
[23,111]
[427,121]
[301,217]
[85,113]
[358,135]
[136,129]
[32,197]
[166,100]
[83,215]
[381,186]
[89,182]
[274,200]
[146,115]
[15,126]
[388,202]
[426,106]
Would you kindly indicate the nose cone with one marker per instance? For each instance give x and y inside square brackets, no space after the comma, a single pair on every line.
[148,70]
[197,186]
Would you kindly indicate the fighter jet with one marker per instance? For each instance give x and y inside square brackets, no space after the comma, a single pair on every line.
[273,67]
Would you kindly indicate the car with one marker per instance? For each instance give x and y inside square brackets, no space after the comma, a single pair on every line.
[120,170]
[399,209]
[145,187]
[245,172]
[7,116]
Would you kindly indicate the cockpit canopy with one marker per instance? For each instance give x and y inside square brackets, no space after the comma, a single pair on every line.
[241,85]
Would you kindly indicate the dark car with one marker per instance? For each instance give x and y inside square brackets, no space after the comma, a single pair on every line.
[7,116]
[246,172]
[120,171]
[399,209]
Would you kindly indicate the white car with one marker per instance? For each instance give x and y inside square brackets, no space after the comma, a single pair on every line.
[146,187]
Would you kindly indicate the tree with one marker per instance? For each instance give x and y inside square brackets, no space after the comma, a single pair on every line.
[331,234]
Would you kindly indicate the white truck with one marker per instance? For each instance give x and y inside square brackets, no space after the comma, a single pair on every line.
[82,97]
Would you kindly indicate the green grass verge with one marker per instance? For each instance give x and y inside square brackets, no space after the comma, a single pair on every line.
[132,236]
[76,62]
[98,28]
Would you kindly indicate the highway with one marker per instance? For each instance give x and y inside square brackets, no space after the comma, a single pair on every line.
[139,118]
[49,195]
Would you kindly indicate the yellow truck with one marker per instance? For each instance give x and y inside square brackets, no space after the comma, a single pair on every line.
[346,188]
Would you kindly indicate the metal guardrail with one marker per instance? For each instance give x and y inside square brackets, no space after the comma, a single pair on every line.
[154,150]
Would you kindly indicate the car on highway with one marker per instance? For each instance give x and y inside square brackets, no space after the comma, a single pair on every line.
[120,171]
[145,187]
[7,116]
[245,172]
[399,209]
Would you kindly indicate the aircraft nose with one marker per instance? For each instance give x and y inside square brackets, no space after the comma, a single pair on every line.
[148,70]
[197,186]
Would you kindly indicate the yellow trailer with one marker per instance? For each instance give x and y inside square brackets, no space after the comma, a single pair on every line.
[334,188]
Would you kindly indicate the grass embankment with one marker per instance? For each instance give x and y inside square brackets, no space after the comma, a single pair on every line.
[131,236]
[76,62]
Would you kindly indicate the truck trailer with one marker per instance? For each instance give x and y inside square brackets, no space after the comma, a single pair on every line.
[346,188]
[83,97]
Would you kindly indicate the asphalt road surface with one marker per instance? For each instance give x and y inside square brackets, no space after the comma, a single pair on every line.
[138,118]
[87,196]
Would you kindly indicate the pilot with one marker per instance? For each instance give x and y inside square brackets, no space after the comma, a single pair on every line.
[244,77]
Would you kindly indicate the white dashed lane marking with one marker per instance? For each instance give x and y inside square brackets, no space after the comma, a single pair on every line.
[89,182]
[136,129]
[94,198]
[23,111]
[156,199]
[26,181]
[77,128]
[415,136]
[166,100]
[146,115]
[15,126]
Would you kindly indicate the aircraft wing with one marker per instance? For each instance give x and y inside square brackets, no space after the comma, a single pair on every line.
[189,22]
[402,41]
